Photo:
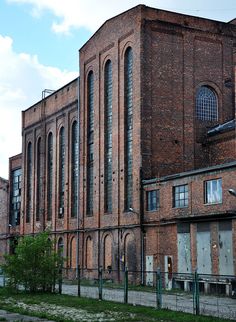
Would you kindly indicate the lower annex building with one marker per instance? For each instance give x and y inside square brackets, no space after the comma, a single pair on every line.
[130,165]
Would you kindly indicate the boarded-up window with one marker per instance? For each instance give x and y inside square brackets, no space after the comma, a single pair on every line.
[130,253]
[89,253]
[73,253]
[107,252]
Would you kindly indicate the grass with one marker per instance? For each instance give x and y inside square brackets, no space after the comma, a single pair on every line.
[124,312]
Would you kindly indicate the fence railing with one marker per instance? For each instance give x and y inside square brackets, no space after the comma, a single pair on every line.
[188,292]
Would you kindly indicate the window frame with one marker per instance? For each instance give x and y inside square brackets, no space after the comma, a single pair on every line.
[206,104]
[206,197]
[177,202]
[149,200]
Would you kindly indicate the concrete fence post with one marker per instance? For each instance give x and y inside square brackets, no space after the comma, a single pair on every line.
[100,283]
[126,281]
[196,293]
[60,280]
[78,280]
[158,289]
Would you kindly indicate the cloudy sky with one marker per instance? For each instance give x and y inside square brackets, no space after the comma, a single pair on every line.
[39,42]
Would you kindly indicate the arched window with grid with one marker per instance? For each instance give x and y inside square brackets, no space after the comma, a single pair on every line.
[206,104]
[90,142]
[29,182]
[49,175]
[128,143]
[62,155]
[74,168]
[39,179]
[108,137]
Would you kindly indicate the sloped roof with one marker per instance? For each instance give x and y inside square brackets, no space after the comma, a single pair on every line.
[221,128]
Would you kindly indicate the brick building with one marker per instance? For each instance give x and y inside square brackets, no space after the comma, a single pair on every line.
[3,216]
[157,100]
[170,78]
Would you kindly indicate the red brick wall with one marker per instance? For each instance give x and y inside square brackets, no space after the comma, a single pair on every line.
[177,59]
[222,148]
[3,217]
[162,236]
[49,115]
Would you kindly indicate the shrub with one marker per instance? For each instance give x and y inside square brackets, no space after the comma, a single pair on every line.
[35,264]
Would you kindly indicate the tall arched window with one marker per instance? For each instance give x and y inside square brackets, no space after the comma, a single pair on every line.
[74,168]
[39,179]
[206,104]
[49,176]
[29,182]
[62,154]
[108,138]
[128,106]
[90,143]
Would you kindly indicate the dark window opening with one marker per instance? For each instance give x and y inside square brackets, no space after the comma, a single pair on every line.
[153,202]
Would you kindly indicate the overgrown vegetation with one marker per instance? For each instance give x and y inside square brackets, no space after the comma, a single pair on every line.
[65,308]
[35,265]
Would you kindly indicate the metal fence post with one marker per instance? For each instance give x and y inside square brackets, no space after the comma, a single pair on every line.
[78,281]
[100,283]
[158,289]
[126,286]
[60,280]
[196,293]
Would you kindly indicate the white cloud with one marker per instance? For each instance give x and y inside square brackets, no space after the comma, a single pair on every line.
[91,14]
[22,79]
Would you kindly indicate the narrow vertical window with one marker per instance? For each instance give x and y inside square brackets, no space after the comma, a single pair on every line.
[49,176]
[108,138]
[29,183]
[60,247]
[39,180]
[90,145]
[74,169]
[15,202]
[128,106]
[61,172]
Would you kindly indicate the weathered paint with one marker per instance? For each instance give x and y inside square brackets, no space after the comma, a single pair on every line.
[184,253]
[204,252]
[225,253]
[149,269]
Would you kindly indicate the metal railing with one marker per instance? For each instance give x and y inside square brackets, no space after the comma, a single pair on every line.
[192,292]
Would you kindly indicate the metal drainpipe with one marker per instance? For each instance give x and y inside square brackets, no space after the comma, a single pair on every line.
[78,183]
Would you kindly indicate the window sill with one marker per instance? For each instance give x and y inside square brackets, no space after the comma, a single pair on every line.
[213,203]
[153,210]
[184,207]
